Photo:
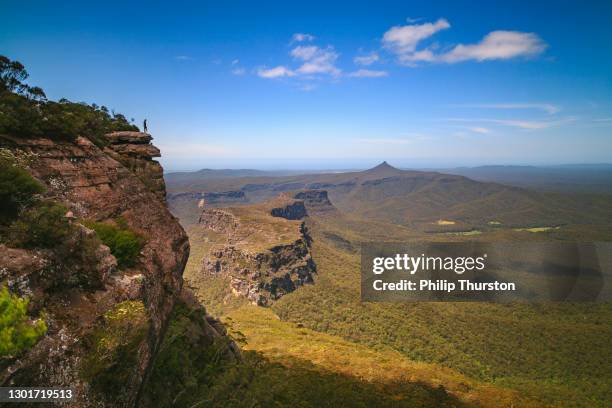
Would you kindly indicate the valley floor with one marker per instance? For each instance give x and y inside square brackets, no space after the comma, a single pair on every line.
[410,355]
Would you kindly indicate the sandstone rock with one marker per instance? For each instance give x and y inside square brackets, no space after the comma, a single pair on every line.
[316,201]
[96,184]
[133,150]
[294,210]
[143,151]
[129,137]
[263,256]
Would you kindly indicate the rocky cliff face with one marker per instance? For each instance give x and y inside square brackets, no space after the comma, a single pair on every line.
[135,151]
[104,305]
[264,250]
[293,210]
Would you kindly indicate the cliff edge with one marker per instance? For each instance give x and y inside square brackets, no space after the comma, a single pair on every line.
[104,321]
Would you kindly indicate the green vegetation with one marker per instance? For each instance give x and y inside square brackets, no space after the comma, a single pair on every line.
[555,354]
[191,371]
[17,331]
[113,347]
[17,188]
[42,225]
[558,353]
[124,244]
[26,112]
[189,359]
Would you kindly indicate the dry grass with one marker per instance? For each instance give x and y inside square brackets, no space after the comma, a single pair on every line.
[284,342]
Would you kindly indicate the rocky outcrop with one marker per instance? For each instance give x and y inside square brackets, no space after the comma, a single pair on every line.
[76,290]
[317,202]
[265,252]
[294,210]
[135,151]
[218,221]
[266,276]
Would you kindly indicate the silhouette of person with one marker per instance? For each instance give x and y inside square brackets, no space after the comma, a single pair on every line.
[144,125]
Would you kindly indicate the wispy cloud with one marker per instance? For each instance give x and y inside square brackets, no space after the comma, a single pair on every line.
[276,72]
[497,45]
[481,130]
[603,120]
[368,73]
[404,40]
[546,107]
[522,124]
[301,37]
[366,59]
[238,71]
[183,58]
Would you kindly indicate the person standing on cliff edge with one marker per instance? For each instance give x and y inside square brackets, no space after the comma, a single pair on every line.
[144,126]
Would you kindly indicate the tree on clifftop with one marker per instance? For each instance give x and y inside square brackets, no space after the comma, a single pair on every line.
[26,112]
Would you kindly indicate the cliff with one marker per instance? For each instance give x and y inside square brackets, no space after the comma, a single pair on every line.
[105,323]
[263,250]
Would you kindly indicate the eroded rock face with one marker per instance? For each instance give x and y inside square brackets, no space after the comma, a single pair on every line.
[265,252]
[98,185]
[294,210]
[316,201]
[265,276]
[135,151]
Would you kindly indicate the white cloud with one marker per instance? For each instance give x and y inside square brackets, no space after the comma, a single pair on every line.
[316,60]
[238,71]
[546,107]
[497,45]
[367,73]
[300,37]
[276,72]
[404,40]
[235,62]
[183,58]
[304,52]
[366,59]
[481,130]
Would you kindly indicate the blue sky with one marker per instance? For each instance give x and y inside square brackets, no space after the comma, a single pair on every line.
[334,84]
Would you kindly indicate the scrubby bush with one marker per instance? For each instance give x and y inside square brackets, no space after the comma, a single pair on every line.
[113,347]
[26,112]
[17,189]
[124,244]
[43,225]
[17,331]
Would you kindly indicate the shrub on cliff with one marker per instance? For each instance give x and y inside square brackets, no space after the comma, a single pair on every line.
[124,244]
[26,112]
[17,189]
[42,225]
[17,331]
[113,346]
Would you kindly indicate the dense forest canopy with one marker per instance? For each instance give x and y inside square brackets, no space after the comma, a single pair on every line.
[26,112]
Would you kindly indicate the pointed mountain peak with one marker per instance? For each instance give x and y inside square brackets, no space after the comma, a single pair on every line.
[383,167]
